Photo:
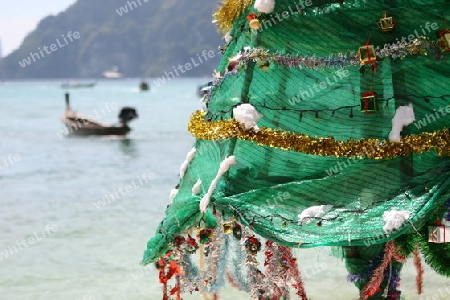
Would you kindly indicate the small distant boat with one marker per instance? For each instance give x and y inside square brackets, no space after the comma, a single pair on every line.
[144,86]
[77,85]
[80,125]
[113,74]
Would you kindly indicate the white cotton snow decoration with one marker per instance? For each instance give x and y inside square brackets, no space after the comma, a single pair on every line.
[247,115]
[224,167]
[312,212]
[265,6]
[403,117]
[228,37]
[186,163]
[196,189]
[394,219]
[172,195]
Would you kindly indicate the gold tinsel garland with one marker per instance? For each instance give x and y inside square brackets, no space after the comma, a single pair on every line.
[284,140]
[229,11]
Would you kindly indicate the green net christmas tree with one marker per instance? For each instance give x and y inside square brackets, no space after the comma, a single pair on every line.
[325,125]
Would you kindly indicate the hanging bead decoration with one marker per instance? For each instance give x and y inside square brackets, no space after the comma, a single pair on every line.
[386,24]
[251,224]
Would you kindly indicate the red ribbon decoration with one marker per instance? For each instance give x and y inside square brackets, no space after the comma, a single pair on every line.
[167,269]
[419,269]
[373,286]
[374,61]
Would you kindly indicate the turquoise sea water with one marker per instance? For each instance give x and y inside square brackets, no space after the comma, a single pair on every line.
[51,189]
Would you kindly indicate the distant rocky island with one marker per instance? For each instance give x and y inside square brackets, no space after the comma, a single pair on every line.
[142,38]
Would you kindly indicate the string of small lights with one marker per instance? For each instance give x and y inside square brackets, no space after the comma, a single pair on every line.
[414,99]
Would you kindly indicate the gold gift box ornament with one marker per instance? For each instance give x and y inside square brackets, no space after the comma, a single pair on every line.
[386,24]
[228,227]
[368,56]
[369,102]
[444,40]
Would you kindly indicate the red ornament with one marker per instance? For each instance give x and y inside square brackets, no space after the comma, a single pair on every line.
[191,245]
[251,16]
[319,223]
[179,240]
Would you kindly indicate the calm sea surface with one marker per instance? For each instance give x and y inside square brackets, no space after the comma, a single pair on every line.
[49,188]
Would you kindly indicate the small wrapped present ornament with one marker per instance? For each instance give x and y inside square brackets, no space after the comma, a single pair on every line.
[368,56]
[228,227]
[438,234]
[369,102]
[205,235]
[444,40]
[386,23]
[237,231]
[252,245]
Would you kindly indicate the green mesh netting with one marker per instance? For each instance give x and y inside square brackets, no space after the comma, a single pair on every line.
[269,187]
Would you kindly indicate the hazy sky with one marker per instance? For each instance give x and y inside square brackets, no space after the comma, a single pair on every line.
[18,18]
